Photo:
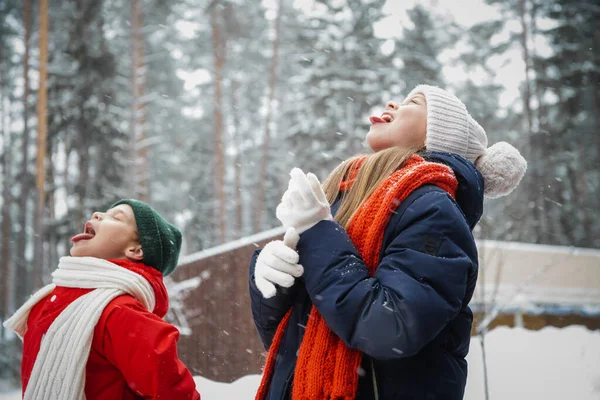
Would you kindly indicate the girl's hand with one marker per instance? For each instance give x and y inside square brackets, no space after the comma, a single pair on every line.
[277,264]
[304,203]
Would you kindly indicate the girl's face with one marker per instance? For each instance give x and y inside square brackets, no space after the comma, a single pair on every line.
[401,125]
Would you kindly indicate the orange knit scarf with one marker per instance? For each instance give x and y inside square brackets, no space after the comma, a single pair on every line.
[326,368]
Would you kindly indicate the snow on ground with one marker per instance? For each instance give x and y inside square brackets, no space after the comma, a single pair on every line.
[549,364]
[242,389]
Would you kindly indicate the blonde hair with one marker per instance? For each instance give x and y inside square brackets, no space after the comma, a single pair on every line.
[375,169]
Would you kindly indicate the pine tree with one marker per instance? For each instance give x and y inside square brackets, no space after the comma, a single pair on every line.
[83,129]
[417,52]
[325,111]
[273,74]
[9,29]
[554,202]
[568,83]
[24,177]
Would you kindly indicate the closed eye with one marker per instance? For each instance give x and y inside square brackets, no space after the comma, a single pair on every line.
[114,217]
[118,215]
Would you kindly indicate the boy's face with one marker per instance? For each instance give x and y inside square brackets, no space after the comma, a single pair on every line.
[400,125]
[109,235]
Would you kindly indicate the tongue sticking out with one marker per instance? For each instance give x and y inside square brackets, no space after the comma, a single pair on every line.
[81,236]
[377,120]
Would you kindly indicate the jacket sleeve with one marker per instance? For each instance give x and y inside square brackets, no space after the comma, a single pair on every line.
[419,285]
[144,348]
[268,313]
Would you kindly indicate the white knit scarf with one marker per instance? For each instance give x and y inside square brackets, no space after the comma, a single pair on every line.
[59,369]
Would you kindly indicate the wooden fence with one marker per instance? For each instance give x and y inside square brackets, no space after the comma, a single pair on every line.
[223,344]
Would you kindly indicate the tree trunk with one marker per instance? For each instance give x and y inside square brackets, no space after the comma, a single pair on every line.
[6,270]
[51,252]
[258,212]
[219,62]
[22,265]
[535,174]
[139,149]
[42,128]
[3,272]
[569,221]
[6,264]
[588,240]
[83,154]
[543,145]
[238,140]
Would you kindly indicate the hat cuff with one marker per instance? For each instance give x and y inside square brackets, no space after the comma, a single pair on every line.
[149,234]
[447,121]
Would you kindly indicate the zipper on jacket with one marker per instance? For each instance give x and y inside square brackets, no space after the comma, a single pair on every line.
[375,390]
[287,390]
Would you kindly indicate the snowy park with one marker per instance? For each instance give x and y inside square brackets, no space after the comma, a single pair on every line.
[292,199]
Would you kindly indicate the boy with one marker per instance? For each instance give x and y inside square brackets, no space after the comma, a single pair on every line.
[97,331]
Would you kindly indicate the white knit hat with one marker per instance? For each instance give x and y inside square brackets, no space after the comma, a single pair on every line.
[451,129]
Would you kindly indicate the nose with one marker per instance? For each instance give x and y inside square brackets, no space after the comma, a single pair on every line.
[391,105]
[98,216]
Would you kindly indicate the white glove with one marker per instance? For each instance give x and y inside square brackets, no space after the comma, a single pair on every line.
[277,264]
[304,203]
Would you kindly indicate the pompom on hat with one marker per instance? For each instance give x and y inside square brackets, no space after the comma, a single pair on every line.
[451,129]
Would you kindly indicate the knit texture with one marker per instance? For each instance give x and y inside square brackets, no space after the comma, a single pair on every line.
[59,369]
[352,174]
[326,368]
[161,241]
[451,129]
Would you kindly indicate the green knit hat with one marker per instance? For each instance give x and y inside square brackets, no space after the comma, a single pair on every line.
[161,241]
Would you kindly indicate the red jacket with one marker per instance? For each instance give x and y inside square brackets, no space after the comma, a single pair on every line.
[134,352]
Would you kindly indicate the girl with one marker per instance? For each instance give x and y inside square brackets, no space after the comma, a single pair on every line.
[381,311]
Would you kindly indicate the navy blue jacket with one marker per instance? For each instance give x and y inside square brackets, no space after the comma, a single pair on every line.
[411,319]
